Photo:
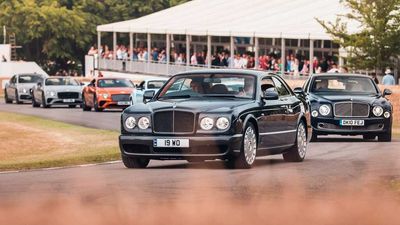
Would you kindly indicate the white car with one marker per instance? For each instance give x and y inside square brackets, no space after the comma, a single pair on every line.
[149,84]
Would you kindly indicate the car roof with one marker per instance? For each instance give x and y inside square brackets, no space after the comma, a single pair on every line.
[229,71]
[340,74]
[60,77]
[112,78]
[155,79]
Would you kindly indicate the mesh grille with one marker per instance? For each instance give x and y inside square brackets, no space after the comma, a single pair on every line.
[68,95]
[117,98]
[349,109]
[174,122]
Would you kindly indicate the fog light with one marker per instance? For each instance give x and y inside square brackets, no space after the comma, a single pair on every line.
[386,115]
[314,113]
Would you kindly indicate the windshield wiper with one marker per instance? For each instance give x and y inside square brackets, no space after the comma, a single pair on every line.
[224,96]
[175,96]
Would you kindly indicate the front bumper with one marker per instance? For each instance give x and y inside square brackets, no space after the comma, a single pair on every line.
[375,125]
[59,101]
[204,147]
[24,97]
[110,104]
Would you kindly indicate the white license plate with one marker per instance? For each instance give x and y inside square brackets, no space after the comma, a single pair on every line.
[68,100]
[123,103]
[171,143]
[352,123]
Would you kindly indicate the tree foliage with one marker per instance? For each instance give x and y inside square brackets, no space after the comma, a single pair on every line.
[377,42]
[62,30]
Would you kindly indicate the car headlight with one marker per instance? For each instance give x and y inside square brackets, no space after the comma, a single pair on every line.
[130,122]
[24,91]
[105,95]
[206,123]
[144,123]
[51,93]
[324,110]
[222,123]
[386,115]
[377,110]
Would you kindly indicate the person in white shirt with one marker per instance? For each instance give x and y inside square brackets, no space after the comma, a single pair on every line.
[388,79]
[193,59]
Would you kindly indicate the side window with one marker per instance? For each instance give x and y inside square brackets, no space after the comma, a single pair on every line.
[267,83]
[280,87]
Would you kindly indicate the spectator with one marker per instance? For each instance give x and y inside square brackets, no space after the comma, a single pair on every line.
[388,79]
[3,58]
[193,59]
[334,69]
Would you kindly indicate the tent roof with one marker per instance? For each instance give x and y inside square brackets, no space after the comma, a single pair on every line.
[256,18]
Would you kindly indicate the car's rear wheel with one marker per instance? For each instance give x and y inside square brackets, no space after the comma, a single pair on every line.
[84,106]
[7,100]
[297,153]
[34,103]
[248,150]
[385,137]
[96,105]
[369,137]
[17,100]
[134,162]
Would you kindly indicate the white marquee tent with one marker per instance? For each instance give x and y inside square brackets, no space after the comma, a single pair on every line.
[250,18]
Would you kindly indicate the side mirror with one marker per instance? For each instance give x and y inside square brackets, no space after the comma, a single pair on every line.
[270,94]
[299,91]
[386,92]
[148,95]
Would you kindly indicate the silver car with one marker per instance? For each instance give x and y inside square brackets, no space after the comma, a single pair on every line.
[19,87]
[149,84]
[57,91]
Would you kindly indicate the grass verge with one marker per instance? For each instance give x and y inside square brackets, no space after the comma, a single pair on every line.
[29,142]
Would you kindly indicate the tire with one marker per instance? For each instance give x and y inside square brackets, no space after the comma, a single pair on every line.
[44,104]
[34,103]
[385,137]
[248,150]
[314,136]
[96,105]
[369,137]
[297,153]
[6,99]
[133,162]
[84,106]
[17,98]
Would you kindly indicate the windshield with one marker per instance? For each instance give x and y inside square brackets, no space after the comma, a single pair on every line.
[155,84]
[106,83]
[29,79]
[343,85]
[210,85]
[61,81]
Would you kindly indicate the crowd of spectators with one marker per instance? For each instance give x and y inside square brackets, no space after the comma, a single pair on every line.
[293,65]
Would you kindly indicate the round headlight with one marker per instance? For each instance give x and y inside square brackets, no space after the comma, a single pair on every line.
[324,110]
[24,90]
[386,115]
[222,123]
[130,122]
[377,111]
[206,123]
[105,95]
[144,123]
[314,113]
[52,93]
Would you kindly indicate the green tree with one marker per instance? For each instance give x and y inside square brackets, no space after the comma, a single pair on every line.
[376,43]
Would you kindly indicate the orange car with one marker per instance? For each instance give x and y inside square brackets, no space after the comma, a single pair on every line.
[103,93]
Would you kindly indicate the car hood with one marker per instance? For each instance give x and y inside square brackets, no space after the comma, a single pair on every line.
[370,99]
[205,106]
[64,88]
[114,91]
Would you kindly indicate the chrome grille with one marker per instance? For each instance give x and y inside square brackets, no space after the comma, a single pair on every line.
[173,122]
[351,109]
[120,97]
[68,95]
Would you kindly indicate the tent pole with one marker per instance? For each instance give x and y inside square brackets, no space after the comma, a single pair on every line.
[99,41]
[208,51]
[114,45]
[148,51]
[168,50]
[311,70]
[187,50]
[256,52]
[232,48]
[283,55]
[130,45]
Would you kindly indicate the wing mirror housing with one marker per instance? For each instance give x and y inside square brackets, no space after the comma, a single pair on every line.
[386,92]
[299,91]
[148,95]
[270,94]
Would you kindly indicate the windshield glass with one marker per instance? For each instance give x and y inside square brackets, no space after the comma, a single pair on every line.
[210,85]
[155,84]
[115,83]
[343,85]
[29,79]
[61,81]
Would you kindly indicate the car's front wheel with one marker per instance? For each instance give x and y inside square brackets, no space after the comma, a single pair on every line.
[385,137]
[44,103]
[96,105]
[17,100]
[34,103]
[134,162]
[84,106]
[8,101]
[248,150]
[297,153]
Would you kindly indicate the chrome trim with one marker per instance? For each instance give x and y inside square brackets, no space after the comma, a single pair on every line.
[173,120]
[278,132]
[351,102]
